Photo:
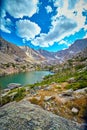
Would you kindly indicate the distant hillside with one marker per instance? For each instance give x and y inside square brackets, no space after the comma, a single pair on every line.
[32,53]
[82,55]
[61,56]
[14,59]
[10,52]
[75,48]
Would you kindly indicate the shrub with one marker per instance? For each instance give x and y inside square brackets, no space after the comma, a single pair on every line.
[20,94]
[34,101]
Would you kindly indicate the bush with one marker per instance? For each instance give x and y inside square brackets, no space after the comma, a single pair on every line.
[4,100]
[20,94]
[34,101]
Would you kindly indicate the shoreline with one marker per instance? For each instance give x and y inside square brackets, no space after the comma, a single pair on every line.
[14,72]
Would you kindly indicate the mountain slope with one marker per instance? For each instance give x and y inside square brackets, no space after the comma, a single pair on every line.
[32,53]
[15,53]
[75,48]
[13,59]
[10,52]
[60,56]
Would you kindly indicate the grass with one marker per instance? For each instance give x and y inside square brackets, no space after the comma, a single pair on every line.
[14,95]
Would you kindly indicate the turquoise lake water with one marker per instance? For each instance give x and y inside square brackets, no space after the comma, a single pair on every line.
[23,78]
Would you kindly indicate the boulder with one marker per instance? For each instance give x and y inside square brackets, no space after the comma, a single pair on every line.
[47,98]
[81,91]
[75,110]
[71,80]
[66,93]
[25,116]
[48,88]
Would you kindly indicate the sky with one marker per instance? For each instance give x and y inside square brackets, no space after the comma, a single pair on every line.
[52,25]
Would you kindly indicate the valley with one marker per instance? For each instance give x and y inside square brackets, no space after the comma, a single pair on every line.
[64,93]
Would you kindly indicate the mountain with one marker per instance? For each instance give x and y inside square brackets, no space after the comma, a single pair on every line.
[81,56]
[14,59]
[75,48]
[32,53]
[10,52]
[13,53]
[49,57]
[61,56]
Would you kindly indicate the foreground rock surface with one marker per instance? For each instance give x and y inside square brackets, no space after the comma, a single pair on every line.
[25,116]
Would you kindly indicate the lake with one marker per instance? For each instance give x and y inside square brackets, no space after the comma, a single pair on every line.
[23,78]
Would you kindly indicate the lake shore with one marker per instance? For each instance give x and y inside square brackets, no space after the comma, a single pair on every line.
[12,70]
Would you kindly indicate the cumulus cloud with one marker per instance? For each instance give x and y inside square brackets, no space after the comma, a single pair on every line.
[58,3]
[78,7]
[20,8]
[63,42]
[48,9]
[5,25]
[66,22]
[40,41]
[17,9]
[4,29]
[72,3]
[56,33]
[27,29]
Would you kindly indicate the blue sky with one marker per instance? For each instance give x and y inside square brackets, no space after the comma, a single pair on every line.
[52,25]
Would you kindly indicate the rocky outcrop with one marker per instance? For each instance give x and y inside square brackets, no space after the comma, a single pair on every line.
[25,116]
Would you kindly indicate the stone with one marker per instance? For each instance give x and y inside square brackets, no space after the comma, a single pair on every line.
[75,110]
[71,80]
[67,93]
[81,91]
[47,98]
[47,88]
[38,98]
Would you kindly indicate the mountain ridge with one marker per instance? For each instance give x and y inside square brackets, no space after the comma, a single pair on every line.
[41,56]
[61,56]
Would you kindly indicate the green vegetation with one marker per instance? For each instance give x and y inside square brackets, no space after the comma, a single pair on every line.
[14,95]
[20,94]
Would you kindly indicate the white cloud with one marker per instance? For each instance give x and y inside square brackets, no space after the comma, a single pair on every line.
[3,13]
[64,23]
[27,29]
[78,7]
[20,8]
[63,42]
[72,3]
[64,48]
[40,41]
[56,33]
[5,25]
[58,3]
[85,36]
[4,29]
[48,9]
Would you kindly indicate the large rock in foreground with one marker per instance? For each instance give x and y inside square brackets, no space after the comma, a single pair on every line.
[26,116]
